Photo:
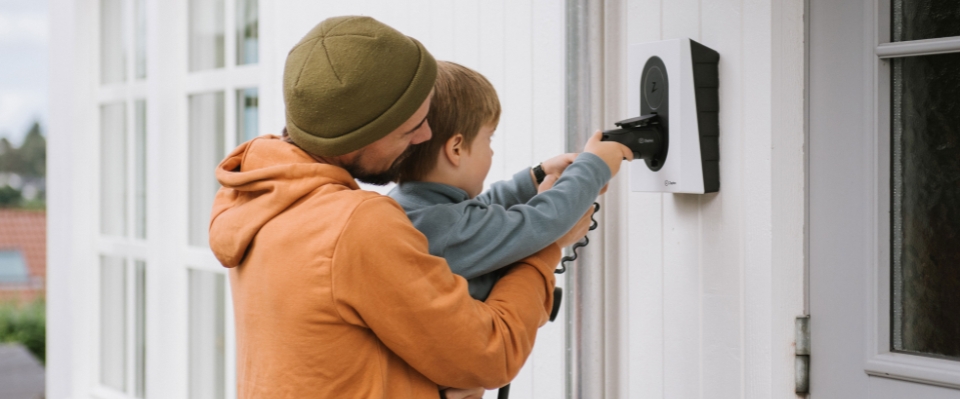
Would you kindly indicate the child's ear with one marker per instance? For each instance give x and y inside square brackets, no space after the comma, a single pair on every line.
[453,149]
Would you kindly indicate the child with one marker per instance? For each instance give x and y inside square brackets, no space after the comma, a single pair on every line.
[480,234]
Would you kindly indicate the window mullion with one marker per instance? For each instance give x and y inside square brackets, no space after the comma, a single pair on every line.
[130,325]
[230,35]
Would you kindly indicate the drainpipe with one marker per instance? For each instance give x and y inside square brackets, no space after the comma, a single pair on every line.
[585,282]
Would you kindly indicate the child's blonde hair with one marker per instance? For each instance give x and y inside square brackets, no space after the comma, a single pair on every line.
[463,102]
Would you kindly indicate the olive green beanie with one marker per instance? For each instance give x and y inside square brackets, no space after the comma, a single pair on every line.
[351,81]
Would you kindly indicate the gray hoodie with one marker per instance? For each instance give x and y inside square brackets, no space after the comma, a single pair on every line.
[510,221]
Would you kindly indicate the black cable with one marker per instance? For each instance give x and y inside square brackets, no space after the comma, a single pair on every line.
[504,392]
[580,244]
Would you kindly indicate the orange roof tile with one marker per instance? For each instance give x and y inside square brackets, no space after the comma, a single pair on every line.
[27,231]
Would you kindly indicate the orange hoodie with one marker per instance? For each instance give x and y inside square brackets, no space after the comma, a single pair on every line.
[336,295]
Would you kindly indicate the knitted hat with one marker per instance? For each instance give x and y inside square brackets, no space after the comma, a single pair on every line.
[351,81]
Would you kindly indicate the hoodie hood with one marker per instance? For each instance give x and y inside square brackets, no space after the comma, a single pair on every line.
[261,179]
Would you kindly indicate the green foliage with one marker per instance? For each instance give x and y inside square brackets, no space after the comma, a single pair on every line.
[30,159]
[10,197]
[25,324]
[28,162]
[36,204]
[9,159]
[33,154]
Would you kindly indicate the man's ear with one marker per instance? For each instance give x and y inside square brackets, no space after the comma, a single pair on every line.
[453,148]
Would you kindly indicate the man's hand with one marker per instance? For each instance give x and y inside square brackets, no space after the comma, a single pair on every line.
[578,231]
[458,393]
[611,152]
[547,183]
[556,165]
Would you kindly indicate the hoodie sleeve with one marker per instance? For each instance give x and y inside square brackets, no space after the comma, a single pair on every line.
[384,279]
[511,192]
[488,237]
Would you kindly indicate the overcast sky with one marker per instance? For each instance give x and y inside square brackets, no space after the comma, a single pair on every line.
[23,66]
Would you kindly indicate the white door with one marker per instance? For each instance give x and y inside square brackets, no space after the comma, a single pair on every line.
[884,169]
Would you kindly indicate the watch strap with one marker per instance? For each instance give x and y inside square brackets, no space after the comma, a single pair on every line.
[538,173]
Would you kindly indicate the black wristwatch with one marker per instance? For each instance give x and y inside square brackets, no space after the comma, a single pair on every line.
[538,173]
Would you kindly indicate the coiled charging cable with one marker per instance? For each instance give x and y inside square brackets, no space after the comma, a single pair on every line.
[580,244]
[504,392]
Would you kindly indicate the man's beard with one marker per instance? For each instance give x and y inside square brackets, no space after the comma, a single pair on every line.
[379,178]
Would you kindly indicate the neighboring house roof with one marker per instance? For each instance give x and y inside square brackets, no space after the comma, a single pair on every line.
[26,231]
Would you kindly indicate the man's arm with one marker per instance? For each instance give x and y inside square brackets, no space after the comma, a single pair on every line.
[384,279]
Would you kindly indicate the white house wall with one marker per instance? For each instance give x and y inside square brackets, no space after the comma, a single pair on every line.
[714,281]
[703,289]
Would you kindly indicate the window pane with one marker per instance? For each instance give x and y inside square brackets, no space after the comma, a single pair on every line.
[205,152]
[113,55]
[925,19]
[926,205]
[140,13]
[140,169]
[113,321]
[113,169]
[206,34]
[247,115]
[140,337]
[248,34]
[13,268]
[207,335]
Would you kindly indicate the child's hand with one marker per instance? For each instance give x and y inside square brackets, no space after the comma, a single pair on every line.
[556,165]
[611,152]
[578,231]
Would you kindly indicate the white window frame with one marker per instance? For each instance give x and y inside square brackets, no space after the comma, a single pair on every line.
[128,247]
[228,79]
[880,360]
[130,282]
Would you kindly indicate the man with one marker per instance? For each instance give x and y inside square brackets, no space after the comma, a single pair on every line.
[334,291]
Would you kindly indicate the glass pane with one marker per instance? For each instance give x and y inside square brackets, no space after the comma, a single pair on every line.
[113,322]
[925,19]
[207,335]
[113,169]
[140,15]
[206,34]
[13,268]
[926,205]
[247,115]
[248,32]
[140,337]
[206,152]
[113,55]
[140,169]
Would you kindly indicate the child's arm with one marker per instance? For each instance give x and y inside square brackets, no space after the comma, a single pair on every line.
[507,193]
[521,187]
[489,237]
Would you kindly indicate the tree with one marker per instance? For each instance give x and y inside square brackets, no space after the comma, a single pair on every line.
[10,197]
[33,153]
[8,156]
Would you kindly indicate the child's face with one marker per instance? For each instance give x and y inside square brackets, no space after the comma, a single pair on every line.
[475,162]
